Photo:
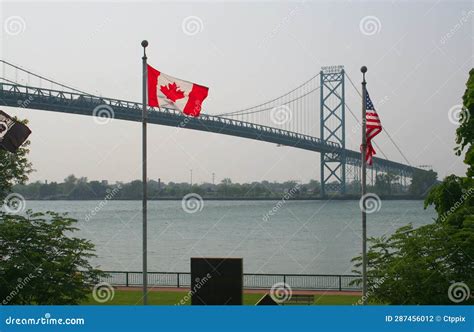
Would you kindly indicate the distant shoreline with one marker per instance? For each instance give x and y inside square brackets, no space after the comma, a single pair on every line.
[352,198]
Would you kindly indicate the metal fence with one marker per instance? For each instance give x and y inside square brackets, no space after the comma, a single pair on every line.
[251,280]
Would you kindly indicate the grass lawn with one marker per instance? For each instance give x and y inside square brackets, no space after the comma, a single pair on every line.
[171,298]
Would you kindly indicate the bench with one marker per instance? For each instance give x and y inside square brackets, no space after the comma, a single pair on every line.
[300,299]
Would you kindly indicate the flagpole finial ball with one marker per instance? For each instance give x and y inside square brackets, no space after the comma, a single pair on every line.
[363,69]
[144,43]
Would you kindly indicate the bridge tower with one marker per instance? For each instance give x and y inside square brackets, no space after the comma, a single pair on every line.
[332,127]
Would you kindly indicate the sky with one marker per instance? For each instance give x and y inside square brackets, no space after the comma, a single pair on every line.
[418,55]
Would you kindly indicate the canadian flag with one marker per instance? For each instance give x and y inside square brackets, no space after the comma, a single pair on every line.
[167,91]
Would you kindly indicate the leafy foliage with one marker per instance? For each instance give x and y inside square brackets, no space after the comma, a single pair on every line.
[15,168]
[417,266]
[80,188]
[453,200]
[40,263]
[384,183]
[73,188]
[465,132]
[421,182]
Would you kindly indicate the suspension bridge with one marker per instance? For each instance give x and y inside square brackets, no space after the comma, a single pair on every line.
[291,120]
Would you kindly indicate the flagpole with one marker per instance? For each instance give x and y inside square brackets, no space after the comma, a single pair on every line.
[144,175]
[363,69]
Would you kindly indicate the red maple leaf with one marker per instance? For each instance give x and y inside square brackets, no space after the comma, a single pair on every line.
[172,92]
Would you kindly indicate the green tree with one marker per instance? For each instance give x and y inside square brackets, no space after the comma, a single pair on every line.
[422,181]
[69,184]
[41,263]
[15,168]
[419,266]
[314,186]
[382,186]
[465,132]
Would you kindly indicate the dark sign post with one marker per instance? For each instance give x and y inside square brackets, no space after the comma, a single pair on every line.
[216,281]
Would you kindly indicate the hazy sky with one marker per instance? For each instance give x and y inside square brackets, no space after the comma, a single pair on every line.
[419,55]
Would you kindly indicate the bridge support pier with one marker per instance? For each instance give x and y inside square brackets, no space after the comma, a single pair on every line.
[332,128]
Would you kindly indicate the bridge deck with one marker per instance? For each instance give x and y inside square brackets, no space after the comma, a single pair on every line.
[76,103]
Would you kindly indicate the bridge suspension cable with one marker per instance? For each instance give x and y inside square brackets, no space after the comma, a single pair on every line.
[294,119]
[296,110]
[269,108]
[384,130]
[7,80]
[40,77]
[356,118]
[270,101]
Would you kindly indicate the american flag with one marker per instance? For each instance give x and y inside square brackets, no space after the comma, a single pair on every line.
[373,127]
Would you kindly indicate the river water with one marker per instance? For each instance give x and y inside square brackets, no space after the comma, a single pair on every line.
[303,237]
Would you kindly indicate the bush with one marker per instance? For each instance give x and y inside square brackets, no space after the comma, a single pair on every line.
[40,263]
